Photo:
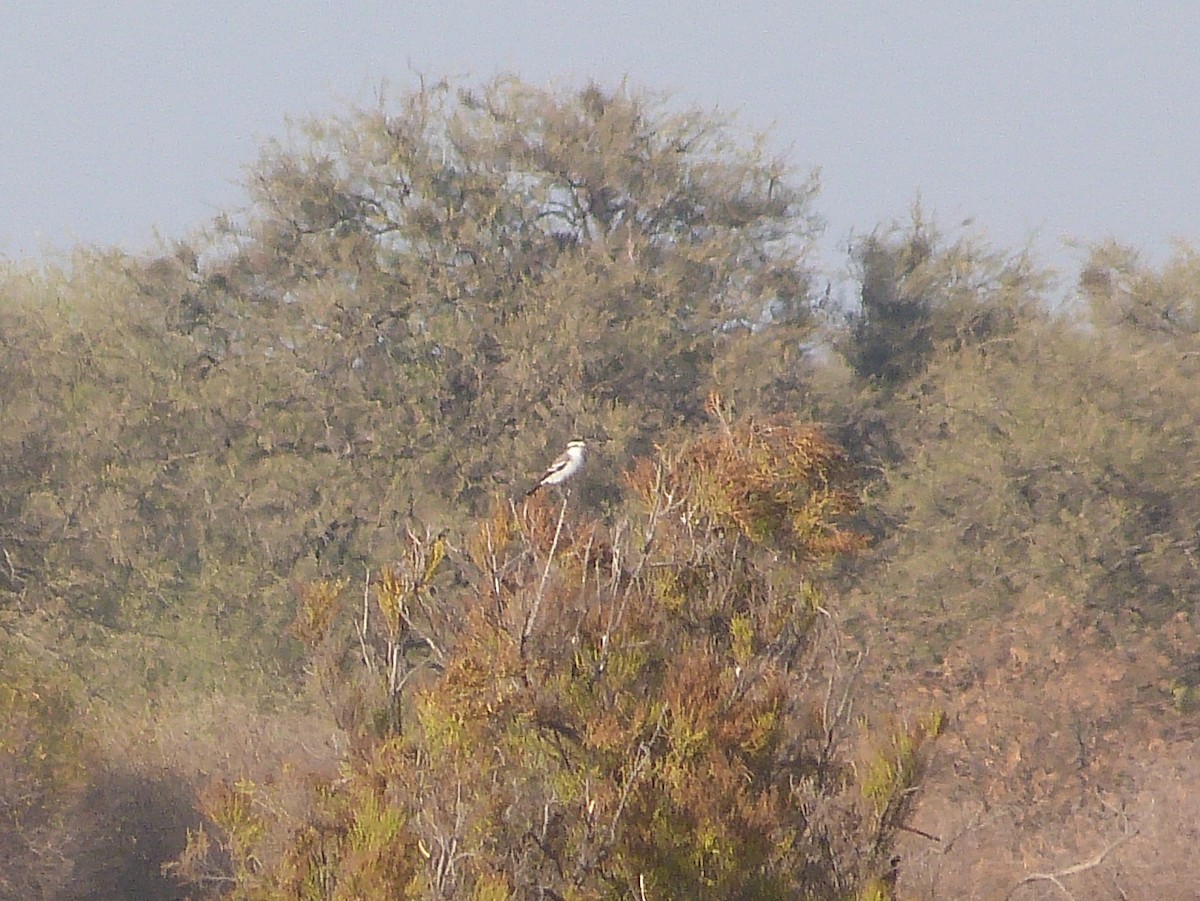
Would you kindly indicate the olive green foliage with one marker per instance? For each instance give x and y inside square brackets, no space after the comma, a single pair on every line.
[419,304]
[115,513]
[918,296]
[43,758]
[1052,463]
[448,281]
[635,712]
[1127,298]
[1034,500]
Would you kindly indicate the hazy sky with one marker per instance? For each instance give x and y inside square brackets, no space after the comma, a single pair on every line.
[1043,120]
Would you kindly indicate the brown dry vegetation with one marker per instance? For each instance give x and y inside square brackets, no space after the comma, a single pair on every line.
[267,618]
[1036,577]
[658,706]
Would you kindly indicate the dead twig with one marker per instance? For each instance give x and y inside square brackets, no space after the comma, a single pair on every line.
[537,600]
[1054,877]
[361,629]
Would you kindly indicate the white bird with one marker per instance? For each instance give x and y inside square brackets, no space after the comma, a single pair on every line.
[564,467]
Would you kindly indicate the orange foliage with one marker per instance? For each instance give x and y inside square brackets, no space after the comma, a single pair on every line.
[615,712]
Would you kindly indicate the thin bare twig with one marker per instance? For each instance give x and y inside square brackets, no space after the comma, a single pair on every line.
[617,615]
[643,758]
[537,600]
[831,720]
[1054,877]
[12,570]
[362,628]
[921,832]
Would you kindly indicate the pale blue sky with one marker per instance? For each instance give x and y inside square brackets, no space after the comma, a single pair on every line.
[1043,120]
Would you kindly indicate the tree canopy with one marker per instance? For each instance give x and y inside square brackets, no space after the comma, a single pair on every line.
[261,533]
[420,304]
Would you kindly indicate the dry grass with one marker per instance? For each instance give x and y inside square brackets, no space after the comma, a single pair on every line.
[141,797]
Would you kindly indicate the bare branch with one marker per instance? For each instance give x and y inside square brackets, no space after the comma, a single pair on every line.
[361,628]
[537,600]
[1072,870]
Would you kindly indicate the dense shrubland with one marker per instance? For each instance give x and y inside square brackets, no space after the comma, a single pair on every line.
[591,712]
[256,538]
